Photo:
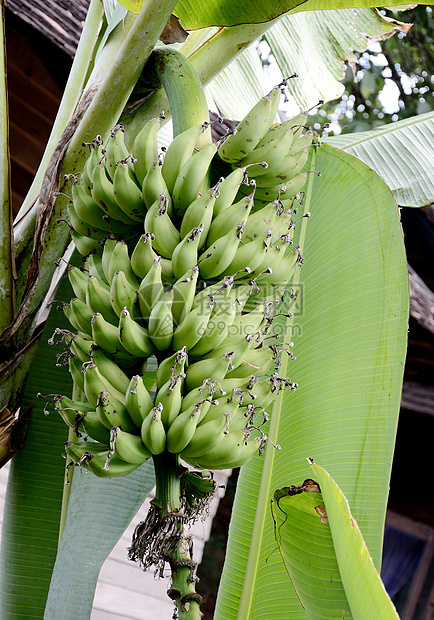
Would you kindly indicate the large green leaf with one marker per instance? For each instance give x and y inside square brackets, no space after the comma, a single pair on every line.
[99,512]
[350,340]
[34,493]
[325,554]
[403,155]
[195,14]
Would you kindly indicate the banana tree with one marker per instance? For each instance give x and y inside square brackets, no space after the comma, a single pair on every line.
[348,326]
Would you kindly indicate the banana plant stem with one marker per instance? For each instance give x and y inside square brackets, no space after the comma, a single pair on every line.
[179,554]
[71,95]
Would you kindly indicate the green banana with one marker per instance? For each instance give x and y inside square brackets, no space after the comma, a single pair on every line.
[106,256]
[85,244]
[259,222]
[170,396]
[160,324]
[228,189]
[193,326]
[113,412]
[75,368]
[232,452]
[138,400]
[158,222]
[99,459]
[128,195]
[198,213]
[289,167]
[152,431]
[115,150]
[230,219]
[151,289]
[106,336]
[204,295]
[184,291]
[206,437]
[282,270]
[95,383]
[122,294]
[82,227]
[182,429]
[109,370]
[251,254]
[96,155]
[143,256]
[98,299]
[235,346]
[272,154]
[200,397]
[155,186]
[169,366]
[184,255]
[145,148]
[166,268]
[255,361]
[303,141]
[133,337]
[120,261]
[79,315]
[81,347]
[94,266]
[214,369]
[87,210]
[218,326]
[178,153]
[103,195]
[218,256]
[276,131]
[93,427]
[191,178]
[106,465]
[70,409]
[77,278]
[225,409]
[251,129]
[82,451]
[129,447]
[282,190]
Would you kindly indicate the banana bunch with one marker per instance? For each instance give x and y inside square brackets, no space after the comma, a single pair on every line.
[108,197]
[274,155]
[197,292]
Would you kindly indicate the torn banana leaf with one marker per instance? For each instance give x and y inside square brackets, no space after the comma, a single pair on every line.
[324,552]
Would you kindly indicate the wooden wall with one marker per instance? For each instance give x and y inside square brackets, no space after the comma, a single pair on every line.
[34,98]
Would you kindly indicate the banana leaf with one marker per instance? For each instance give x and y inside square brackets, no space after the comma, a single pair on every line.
[334,575]
[195,14]
[403,155]
[325,33]
[350,342]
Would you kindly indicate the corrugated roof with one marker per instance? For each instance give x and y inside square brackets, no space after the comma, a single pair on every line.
[61,21]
